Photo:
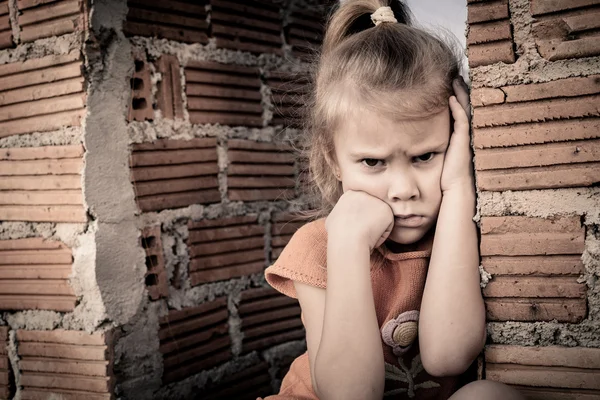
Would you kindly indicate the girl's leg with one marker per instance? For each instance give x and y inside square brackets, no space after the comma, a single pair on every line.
[487,390]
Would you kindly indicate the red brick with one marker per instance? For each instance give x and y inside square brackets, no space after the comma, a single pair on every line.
[551,177]
[42,167]
[538,155]
[169,93]
[52,197]
[274,315]
[256,293]
[557,394]
[177,200]
[209,322]
[155,263]
[170,157]
[38,302]
[570,87]
[269,341]
[43,213]
[224,273]
[533,265]
[36,287]
[261,195]
[63,381]
[543,376]
[191,368]
[33,243]
[285,228]
[51,19]
[216,345]
[42,123]
[224,118]
[538,7]
[39,153]
[488,11]
[486,96]
[489,32]
[63,394]
[221,222]
[257,169]
[173,171]
[277,301]
[537,286]
[240,144]
[260,182]
[5,42]
[550,356]
[175,186]
[168,144]
[192,339]
[226,246]
[491,53]
[35,272]
[43,106]
[62,351]
[536,133]
[3,333]
[221,233]
[530,236]
[42,91]
[177,315]
[561,310]
[223,260]
[542,110]
[578,48]
[58,366]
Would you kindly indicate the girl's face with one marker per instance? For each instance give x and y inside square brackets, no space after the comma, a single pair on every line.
[399,162]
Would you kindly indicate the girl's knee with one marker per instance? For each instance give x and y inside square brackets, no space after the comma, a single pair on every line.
[487,390]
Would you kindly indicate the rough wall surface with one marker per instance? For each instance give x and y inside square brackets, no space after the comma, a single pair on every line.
[537,159]
[146,170]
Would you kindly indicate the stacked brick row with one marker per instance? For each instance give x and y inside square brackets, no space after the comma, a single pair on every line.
[172,174]
[490,33]
[268,319]
[51,86]
[225,248]
[40,19]
[283,226]
[536,264]
[5,29]
[65,364]
[537,141]
[194,339]
[34,274]
[544,373]
[565,29]
[42,184]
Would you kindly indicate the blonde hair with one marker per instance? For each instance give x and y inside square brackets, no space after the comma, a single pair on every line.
[393,68]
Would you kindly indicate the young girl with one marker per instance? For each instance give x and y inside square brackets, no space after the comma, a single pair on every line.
[388,282]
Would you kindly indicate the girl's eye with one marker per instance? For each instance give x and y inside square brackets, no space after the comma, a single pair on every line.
[424,157]
[371,162]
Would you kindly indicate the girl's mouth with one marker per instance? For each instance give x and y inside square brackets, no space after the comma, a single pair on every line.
[409,221]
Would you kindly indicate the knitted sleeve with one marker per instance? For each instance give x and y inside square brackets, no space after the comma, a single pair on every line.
[304,259]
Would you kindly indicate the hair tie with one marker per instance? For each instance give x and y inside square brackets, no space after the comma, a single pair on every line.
[383,14]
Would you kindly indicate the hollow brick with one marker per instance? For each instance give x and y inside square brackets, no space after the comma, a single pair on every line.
[227,232]
[527,310]
[40,182]
[253,382]
[177,200]
[173,171]
[487,11]
[42,123]
[197,352]
[168,144]
[176,315]
[39,153]
[260,182]
[262,331]
[557,394]
[518,224]
[533,265]
[226,246]
[171,157]
[43,213]
[47,90]
[140,106]
[55,350]
[266,342]
[50,11]
[274,315]
[240,144]
[222,222]
[35,271]
[192,339]
[169,89]
[223,260]
[491,53]
[257,169]
[225,118]
[75,367]
[34,74]
[273,302]
[191,368]
[261,194]
[203,321]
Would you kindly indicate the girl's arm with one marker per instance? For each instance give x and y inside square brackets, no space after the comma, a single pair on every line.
[342,333]
[452,318]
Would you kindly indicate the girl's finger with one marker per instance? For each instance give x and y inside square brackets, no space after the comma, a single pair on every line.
[461,122]
[462,95]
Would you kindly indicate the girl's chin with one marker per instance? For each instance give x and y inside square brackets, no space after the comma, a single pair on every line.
[407,236]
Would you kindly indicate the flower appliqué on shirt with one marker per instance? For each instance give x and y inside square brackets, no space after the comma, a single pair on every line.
[400,333]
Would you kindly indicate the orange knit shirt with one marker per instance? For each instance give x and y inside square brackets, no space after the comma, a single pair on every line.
[398,280]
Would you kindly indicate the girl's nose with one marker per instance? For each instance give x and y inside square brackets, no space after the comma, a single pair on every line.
[403,187]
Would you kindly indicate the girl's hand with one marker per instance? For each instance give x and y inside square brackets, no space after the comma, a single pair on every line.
[359,218]
[458,165]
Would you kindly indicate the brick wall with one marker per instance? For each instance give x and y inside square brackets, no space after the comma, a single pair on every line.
[535,127]
[147,168]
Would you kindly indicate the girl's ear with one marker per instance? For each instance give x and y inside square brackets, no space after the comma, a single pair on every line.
[332,162]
